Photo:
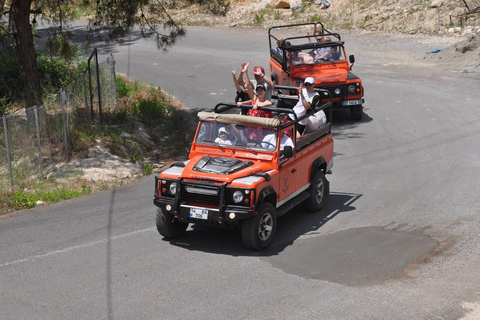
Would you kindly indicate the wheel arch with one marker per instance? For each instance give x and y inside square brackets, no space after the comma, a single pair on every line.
[268,194]
[320,164]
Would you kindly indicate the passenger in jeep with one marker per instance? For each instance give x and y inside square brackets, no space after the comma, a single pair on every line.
[257,103]
[270,141]
[260,78]
[306,93]
[222,137]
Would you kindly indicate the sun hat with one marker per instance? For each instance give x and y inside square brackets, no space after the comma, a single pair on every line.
[309,80]
[259,67]
[261,85]
[222,130]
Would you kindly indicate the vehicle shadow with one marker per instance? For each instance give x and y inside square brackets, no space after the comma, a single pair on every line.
[290,227]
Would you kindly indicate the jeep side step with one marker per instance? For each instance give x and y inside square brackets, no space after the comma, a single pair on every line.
[293,203]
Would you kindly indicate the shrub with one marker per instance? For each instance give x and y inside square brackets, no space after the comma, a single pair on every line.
[147,169]
[22,200]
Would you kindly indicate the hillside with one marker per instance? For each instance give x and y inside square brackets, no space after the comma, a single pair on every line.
[433,17]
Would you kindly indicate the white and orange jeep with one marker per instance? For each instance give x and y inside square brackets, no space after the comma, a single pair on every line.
[294,56]
[244,171]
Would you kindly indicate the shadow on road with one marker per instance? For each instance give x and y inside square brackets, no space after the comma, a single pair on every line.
[291,226]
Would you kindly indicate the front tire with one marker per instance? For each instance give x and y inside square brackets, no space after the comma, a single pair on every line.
[356,112]
[258,232]
[318,192]
[168,226]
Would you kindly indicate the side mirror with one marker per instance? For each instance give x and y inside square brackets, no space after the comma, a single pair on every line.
[287,151]
[351,58]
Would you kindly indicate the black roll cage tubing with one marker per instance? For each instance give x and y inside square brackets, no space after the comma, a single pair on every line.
[225,106]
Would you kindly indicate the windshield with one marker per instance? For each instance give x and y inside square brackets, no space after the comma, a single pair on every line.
[236,136]
[318,55]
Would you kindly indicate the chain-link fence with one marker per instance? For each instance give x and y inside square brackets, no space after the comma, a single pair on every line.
[34,138]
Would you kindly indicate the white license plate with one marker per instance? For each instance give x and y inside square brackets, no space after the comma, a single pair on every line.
[351,102]
[199,213]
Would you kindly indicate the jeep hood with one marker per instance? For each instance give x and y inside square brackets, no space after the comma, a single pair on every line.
[222,169]
[327,76]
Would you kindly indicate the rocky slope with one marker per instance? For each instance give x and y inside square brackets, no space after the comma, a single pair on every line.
[435,17]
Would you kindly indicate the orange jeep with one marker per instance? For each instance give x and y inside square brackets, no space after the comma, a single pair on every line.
[244,171]
[295,56]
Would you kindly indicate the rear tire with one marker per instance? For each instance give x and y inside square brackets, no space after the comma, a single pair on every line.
[317,190]
[168,226]
[356,112]
[258,232]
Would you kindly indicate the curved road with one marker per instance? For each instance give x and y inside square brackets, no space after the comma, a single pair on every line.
[398,238]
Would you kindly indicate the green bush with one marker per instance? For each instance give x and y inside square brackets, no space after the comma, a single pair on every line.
[22,200]
[10,81]
[122,87]
[150,111]
[55,73]
[147,169]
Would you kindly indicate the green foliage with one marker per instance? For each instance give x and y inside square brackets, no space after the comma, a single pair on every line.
[10,81]
[61,45]
[136,157]
[277,15]
[258,18]
[22,200]
[150,110]
[122,88]
[25,200]
[147,169]
[55,73]
[315,18]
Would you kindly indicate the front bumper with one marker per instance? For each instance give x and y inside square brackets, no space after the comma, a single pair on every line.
[223,217]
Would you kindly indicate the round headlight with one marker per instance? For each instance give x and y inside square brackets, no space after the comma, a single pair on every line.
[173,188]
[237,196]
[338,91]
[351,88]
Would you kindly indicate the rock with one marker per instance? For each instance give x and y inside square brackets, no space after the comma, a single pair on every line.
[297,7]
[282,5]
[125,135]
[436,4]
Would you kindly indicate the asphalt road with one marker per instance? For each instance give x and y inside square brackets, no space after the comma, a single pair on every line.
[398,238]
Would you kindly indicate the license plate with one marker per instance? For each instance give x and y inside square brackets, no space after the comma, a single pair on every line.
[199,213]
[352,102]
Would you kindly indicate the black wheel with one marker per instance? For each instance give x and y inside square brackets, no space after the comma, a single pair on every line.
[168,226]
[258,232]
[356,112]
[317,189]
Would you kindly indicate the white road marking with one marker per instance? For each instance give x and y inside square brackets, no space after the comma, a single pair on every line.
[70,249]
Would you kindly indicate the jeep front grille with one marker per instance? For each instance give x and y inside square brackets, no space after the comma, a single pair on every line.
[201,194]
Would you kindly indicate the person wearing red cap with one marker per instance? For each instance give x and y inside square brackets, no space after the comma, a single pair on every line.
[260,78]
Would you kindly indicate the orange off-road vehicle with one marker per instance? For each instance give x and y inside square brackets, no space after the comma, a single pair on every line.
[294,55]
[244,171]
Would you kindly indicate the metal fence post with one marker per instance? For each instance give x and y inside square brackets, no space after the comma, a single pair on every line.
[7,145]
[62,105]
[35,112]
[85,90]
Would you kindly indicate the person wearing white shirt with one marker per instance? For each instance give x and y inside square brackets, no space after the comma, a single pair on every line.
[306,93]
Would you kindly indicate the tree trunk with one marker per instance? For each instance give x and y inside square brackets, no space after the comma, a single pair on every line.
[22,32]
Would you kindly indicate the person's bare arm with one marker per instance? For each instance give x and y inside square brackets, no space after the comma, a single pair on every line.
[305,103]
[243,70]
[235,81]
[265,78]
